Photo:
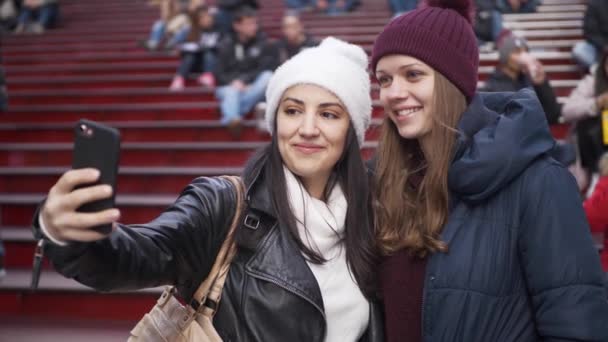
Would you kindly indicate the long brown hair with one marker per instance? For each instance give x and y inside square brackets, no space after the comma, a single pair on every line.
[413,217]
[195,26]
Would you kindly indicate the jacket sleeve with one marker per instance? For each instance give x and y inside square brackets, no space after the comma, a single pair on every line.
[267,61]
[224,70]
[229,4]
[177,248]
[592,26]
[561,265]
[581,102]
[596,207]
[548,100]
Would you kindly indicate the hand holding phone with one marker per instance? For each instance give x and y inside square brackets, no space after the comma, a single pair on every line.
[97,146]
[80,206]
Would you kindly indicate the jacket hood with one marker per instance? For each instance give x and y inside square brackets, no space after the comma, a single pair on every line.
[500,134]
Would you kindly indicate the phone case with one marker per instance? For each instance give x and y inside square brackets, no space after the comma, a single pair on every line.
[97,146]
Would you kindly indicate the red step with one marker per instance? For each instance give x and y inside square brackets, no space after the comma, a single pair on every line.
[131,180]
[183,111]
[89,82]
[208,110]
[134,67]
[20,254]
[141,131]
[119,72]
[83,306]
[181,131]
[17,43]
[21,214]
[62,298]
[84,58]
[54,329]
[193,93]
[140,154]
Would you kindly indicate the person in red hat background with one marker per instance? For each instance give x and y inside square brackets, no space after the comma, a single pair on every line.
[596,208]
[483,234]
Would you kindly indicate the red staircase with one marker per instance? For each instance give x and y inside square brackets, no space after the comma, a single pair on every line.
[91,67]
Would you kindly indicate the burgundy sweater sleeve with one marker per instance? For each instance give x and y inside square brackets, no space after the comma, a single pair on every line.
[402,286]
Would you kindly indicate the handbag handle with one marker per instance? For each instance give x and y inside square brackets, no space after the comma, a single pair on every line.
[210,290]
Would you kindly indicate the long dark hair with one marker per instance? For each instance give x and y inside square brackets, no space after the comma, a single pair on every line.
[351,174]
[601,77]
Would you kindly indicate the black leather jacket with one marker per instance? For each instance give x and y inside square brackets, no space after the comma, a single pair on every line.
[270,294]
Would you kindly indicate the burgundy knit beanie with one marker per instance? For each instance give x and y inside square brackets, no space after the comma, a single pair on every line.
[440,34]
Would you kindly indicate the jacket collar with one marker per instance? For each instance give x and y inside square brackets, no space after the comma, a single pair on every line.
[277,258]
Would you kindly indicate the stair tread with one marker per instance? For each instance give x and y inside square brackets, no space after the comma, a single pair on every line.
[121,200]
[53,329]
[19,279]
[23,234]
[126,170]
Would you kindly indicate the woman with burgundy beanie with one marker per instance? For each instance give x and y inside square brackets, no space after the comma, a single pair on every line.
[483,234]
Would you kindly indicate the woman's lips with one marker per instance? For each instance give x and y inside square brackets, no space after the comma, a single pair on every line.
[308,148]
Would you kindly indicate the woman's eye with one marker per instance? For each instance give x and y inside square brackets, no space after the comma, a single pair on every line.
[384,80]
[329,115]
[291,111]
[413,74]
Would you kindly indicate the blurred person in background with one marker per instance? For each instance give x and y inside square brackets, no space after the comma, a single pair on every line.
[488,24]
[245,62]
[9,11]
[596,208]
[294,38]
[226,10]
[518,69]
[336,7]
[300,5]
[595,32]
[37,16]
[199,52]
[331,7]
[517,6]
[173,26]
[399,7]
[582,108]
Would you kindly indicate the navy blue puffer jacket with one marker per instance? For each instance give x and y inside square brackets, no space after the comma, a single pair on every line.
[521,264]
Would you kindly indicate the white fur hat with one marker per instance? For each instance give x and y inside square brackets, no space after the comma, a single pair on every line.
[335,65]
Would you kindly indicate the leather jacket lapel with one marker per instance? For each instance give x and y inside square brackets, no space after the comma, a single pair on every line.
[277,258]
[279,261]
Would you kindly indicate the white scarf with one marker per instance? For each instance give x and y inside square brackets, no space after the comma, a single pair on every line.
[321,228]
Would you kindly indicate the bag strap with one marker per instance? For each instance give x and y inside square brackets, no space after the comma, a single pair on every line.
[207,296]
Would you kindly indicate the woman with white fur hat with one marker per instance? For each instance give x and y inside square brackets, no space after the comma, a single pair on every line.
[305,261]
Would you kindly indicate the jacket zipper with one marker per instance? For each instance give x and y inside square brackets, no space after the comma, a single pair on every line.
[295,293]
[37,267]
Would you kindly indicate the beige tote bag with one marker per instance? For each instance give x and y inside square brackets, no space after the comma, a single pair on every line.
[170,321]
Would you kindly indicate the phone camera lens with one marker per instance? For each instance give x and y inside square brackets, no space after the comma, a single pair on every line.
[86,130]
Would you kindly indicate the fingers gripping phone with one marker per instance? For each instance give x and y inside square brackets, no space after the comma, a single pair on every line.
[97,146]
